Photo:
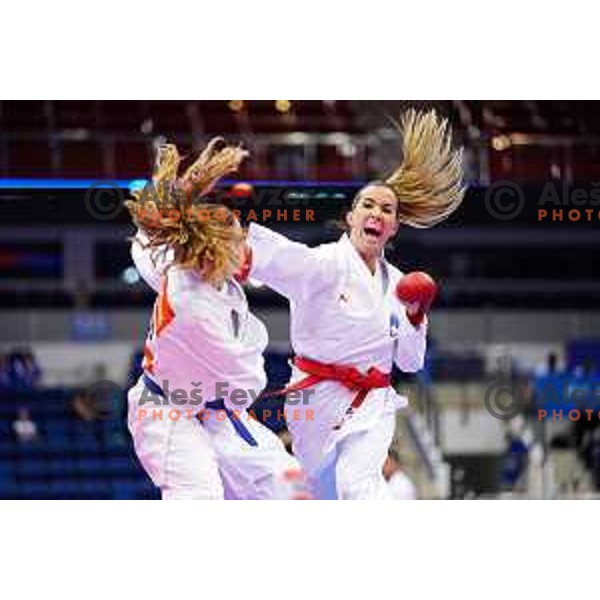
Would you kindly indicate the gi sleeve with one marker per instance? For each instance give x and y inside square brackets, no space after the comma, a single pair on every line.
[290,268]
[150,263]
[409,355]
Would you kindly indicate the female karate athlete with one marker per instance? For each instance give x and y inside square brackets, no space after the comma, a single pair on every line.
[203,341]
[351,318]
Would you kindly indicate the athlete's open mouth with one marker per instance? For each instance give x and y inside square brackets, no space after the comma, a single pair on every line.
[372,231]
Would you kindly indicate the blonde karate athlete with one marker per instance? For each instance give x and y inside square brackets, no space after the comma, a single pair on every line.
[348,324]
[202,338]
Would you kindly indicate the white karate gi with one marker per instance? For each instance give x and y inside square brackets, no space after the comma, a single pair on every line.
[342,314]
[401,487]
[201,338]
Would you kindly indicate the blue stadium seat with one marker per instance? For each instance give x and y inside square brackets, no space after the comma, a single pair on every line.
[95,487]
[121,465]
[62,467]
[32,468]
[9,490]
[6,471]
[35,490]
[58,445]
[73,459]
[125,490]
[87,444]
[6,447]
[93,466]
[68,487]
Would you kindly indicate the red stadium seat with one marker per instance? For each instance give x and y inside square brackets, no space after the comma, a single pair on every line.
[121,116]
[253,170]
[331,166]
[75,114]
[30,127]
[515,116]
[82,160]
[23,116]
[169,118]
[340,116]
[500,164]
[585,162]
[133,159]
[217,118]
[264,118]
[29,159]
[312,117]
[286,162]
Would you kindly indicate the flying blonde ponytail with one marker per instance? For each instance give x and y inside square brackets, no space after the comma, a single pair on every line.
[428,183]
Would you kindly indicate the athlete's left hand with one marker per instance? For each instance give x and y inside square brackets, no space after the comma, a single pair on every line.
[417,292]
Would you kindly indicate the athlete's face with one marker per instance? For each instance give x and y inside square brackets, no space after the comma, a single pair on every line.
[373,220]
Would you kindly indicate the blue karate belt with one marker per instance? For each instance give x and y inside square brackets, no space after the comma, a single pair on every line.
[219,404]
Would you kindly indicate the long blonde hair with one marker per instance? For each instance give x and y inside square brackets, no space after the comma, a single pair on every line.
[428,183]
[203,236]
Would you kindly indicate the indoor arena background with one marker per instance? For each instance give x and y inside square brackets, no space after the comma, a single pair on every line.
[507,404]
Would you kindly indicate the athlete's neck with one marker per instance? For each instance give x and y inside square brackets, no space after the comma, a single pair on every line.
[370,260]
[369,254]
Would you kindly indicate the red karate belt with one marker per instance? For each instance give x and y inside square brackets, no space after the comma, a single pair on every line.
[349,377]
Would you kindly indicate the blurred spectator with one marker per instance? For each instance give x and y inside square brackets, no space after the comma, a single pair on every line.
[4,372]
[581,391]
[519,439]
[23,370]
[83,407]
[81,295]
[25,429]
[589,367]
[550,367]
[552,364]
[594,457]
[400,485]
[459,489]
